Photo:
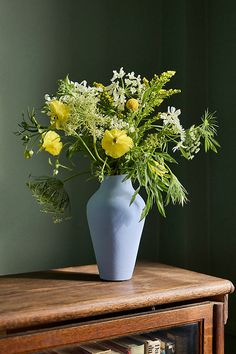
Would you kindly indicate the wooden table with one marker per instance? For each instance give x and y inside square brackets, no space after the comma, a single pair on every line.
[72,305]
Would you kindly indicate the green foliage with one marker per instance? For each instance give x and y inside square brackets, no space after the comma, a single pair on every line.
[154,95]
[51,195]
[208,131]
[120,128]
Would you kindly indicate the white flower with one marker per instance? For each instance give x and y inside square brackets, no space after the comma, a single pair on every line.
[113,86]
[173,112]
[47,97]
[132,129]
[117,123]
[118,94]
[118,75]
[171,118]
[131,76]
[179,145]
[128,82]
[133,90]
[83,88]
[134,83]
[83,83]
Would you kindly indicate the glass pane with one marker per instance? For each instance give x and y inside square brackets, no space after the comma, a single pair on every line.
[179,340]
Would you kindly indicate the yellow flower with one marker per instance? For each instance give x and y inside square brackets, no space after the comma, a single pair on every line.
[132,104]
[158,168]
[52,143]
[116,143]
[99,85]
[59,113]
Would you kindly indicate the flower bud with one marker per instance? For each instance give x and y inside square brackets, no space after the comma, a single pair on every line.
[28,154]
[25,138]
[145,81]
[132,104]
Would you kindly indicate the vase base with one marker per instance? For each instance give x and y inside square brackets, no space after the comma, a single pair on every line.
[115,275]
[107,279]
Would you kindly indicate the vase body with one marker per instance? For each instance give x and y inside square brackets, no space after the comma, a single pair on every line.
[115,227]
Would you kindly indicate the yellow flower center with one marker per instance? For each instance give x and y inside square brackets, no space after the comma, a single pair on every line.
[52,143]
[59,113]
[116,143]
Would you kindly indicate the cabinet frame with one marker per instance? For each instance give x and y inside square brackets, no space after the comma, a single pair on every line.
[62,307]
[96,330]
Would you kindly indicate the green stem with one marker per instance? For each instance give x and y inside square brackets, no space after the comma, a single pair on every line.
[75,175]
[96,151]
[97,154]
[104,165]
[86,147]
[122,83]
[38,135]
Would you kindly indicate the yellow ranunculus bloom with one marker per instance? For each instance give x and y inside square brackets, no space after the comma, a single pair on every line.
[132,104]
[116,143]
[59,113]
[52,143]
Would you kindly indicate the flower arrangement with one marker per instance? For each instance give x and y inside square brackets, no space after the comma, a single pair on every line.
[119,128]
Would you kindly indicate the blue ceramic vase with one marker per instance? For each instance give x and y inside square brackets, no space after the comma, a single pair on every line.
[115,227]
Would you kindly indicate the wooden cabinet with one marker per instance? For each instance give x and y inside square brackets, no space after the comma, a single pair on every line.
[72,306]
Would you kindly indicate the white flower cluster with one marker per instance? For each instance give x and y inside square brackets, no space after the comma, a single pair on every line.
[84,88]
[134,84]
[118,75]
[116,123]
[76,88]
[84,115]
[122,85]
[118,93]
[171,118]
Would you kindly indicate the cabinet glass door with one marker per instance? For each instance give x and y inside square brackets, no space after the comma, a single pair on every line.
[179,340]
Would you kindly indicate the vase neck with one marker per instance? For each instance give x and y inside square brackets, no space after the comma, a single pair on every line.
[116,181]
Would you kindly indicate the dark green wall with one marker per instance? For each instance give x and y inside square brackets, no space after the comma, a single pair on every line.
[222,78]
[201,45]
[43,40]
[36,41]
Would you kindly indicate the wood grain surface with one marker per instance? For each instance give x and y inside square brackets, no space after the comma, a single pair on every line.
[77,292]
